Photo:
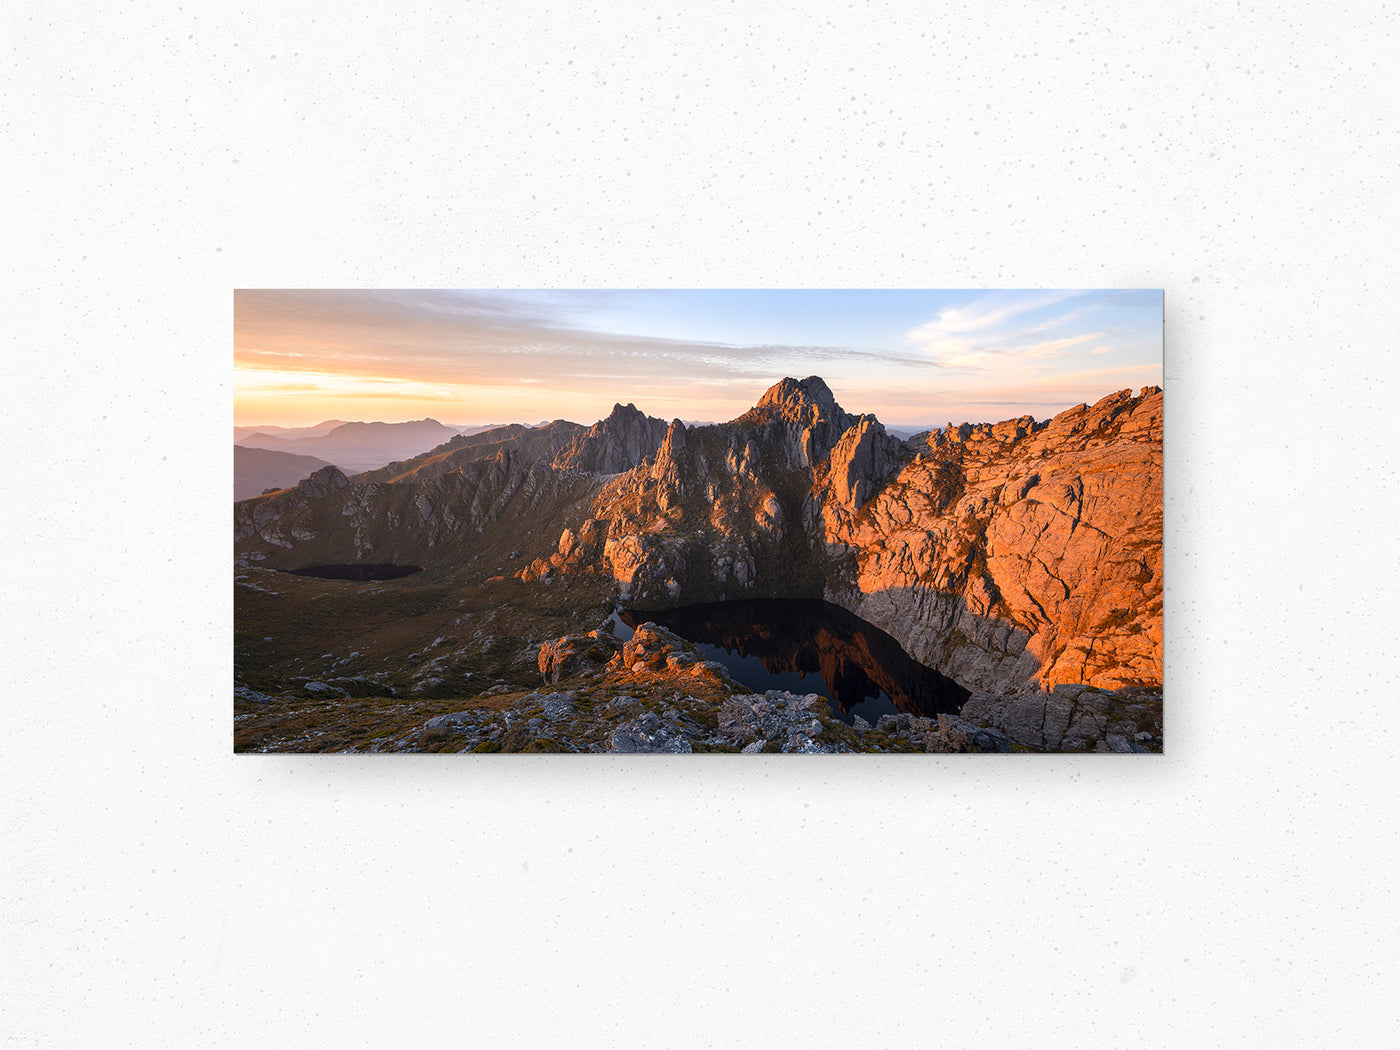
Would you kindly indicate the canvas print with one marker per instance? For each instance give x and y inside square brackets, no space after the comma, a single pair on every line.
[698,521]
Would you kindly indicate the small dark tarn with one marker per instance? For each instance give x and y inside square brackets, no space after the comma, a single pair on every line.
[785,644]
[361,573]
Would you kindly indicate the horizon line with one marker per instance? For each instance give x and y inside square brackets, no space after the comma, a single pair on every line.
[1061,406]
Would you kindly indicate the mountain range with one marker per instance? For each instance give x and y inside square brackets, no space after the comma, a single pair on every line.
[290,433]
[355,446]
[1021,559]
[352,447]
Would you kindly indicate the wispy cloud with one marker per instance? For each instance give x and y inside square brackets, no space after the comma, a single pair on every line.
[996,330]
[985,314]
[492,339]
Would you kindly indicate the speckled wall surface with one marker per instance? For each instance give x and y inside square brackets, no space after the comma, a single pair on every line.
[158,891]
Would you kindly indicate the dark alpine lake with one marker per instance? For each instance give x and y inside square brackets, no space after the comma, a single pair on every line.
[809,647]
[362,573]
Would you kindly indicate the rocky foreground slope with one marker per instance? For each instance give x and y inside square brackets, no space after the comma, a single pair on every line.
[1014,557]
[656,694]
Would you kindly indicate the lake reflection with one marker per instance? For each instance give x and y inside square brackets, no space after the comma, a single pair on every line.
[777,643]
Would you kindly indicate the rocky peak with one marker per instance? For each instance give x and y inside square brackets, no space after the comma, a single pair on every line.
[615,444]
[675,440]
[805,401]
[802,418]
[861,460]
[677,466]
[622,412]
[323,482]
[671,446]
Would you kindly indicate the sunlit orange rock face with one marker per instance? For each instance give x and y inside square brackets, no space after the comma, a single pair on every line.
[1053,532]
[1012,556]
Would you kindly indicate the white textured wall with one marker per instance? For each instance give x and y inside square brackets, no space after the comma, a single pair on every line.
[158,891]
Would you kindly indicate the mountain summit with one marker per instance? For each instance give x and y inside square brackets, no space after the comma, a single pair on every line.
[805,401]
[612,445]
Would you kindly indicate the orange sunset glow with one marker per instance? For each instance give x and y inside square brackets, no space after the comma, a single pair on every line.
[474,357]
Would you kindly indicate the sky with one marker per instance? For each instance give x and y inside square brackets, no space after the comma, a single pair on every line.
[911,357]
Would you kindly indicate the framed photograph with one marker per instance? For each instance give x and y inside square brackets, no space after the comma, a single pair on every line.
[698,521]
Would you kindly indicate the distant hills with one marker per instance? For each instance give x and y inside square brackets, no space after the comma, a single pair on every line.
[285,455]
[257,469]
[290,433]
[353,447]
[905,433]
